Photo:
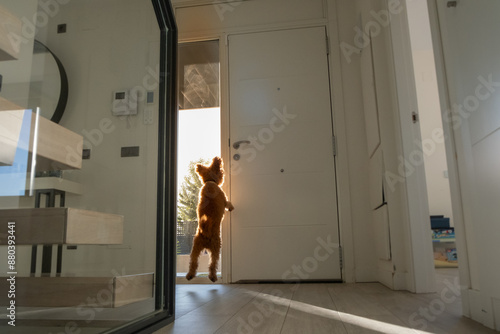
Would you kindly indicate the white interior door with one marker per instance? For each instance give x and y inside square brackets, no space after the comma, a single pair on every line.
[285,223]
[472,52]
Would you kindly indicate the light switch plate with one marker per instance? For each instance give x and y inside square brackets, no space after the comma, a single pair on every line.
[130,151]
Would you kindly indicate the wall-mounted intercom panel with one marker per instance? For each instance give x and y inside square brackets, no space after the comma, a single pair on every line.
[124,103]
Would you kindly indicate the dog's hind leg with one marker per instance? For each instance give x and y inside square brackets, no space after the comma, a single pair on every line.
[195,254]
[214,259]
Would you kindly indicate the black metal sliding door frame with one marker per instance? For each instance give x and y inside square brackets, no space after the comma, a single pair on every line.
[167,178]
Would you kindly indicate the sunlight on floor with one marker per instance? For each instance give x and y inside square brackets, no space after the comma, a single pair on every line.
[352,319]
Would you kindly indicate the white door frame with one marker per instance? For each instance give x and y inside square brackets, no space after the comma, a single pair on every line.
[225,153]
[225,265]
[341,162]
[339,131]
[421,277]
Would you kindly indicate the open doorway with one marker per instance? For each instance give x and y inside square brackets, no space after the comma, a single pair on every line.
[441,222]
[198,140]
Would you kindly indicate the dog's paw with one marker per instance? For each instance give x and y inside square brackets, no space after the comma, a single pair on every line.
[190,276]
[213,278]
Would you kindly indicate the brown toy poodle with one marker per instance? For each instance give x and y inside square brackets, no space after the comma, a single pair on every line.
[212,203]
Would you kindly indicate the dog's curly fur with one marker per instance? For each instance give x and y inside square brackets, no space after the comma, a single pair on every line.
[212,203]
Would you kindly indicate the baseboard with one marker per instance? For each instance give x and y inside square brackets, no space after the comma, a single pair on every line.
[475,306]
[496,312]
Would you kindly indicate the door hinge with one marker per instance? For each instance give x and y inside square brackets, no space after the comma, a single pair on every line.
[334,146]
[327,45]
[341,261]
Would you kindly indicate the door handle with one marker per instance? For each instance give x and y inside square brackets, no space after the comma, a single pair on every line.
[237,144]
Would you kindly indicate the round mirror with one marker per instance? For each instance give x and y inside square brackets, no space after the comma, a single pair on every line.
[49,84]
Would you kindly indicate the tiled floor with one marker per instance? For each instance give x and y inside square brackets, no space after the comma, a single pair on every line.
[320,308]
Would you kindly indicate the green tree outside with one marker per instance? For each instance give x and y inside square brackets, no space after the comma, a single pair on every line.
[187,219]
[188,195]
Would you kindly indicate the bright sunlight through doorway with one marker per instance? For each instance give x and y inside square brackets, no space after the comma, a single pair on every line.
[198,140]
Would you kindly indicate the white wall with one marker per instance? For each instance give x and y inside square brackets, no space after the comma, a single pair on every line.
[112,45]
[109,45]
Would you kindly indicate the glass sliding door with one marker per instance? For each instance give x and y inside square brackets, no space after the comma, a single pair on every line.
[87,165]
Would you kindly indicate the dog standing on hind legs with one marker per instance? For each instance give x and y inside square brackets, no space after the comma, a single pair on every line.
[212,203]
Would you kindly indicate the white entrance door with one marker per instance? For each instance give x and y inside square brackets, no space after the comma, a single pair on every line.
[283,186]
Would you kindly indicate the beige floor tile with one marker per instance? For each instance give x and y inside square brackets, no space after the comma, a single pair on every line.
[363,308]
